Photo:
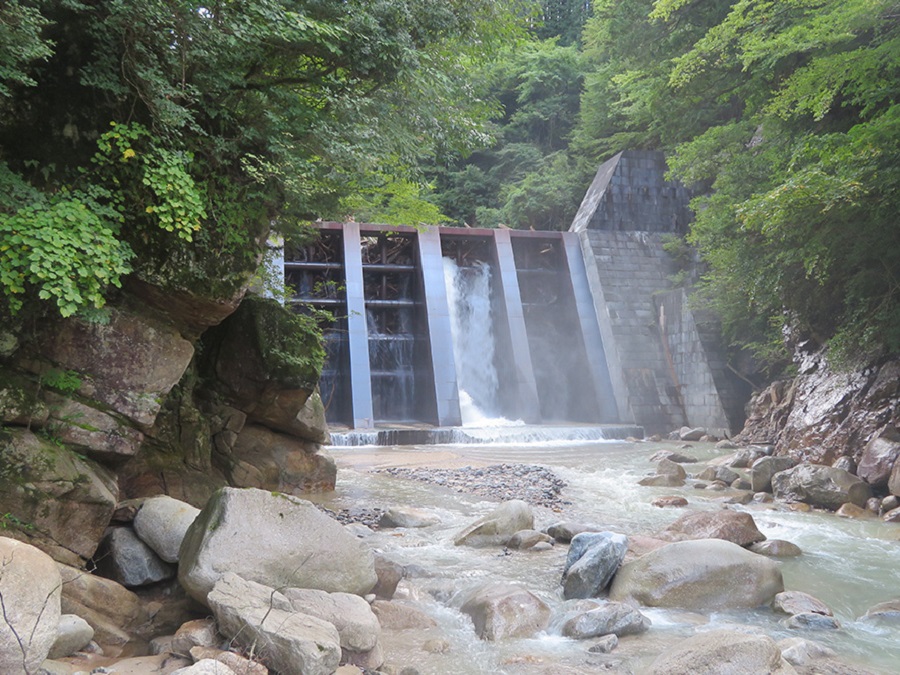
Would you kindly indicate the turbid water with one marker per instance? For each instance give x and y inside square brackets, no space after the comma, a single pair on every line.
[848,564]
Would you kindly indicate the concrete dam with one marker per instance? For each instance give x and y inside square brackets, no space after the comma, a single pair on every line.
[444,327]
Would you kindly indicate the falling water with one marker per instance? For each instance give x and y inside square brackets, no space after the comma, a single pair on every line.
[472,330]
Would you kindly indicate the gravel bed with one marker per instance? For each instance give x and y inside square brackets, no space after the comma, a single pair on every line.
[536,485]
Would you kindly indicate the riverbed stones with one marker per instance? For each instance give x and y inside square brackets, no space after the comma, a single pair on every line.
[615,618]
[776,548]
[30,588]
[564,531]
[350,614]
[796,602]
[524,540]
[670,501]
[698,574]
[162,522]
[259,617]
[811,621]
[722,652]
[820,486]
[407,516]
[237,663]
[401,616]
[74,633]
[504,610]
[799,651]
[719,473]
[389,574]
[885,612]
[762,470]
[592,561]
[734,526]
[498,526]
[274,539]
[878,458]
[117,615]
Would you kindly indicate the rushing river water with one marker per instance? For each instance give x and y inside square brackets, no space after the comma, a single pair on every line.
[848,564]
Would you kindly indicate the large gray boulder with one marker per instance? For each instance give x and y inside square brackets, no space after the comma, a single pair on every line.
[698,574]
[261,619]
[878,458]
[504,610]
[722,652]
[274,539]
[123,557]
[762,470]
[498,526]
[162,522]
[30,588]
[615,618]
[821,486]
[74,633]
[592,561]
[734,526]
[352,616]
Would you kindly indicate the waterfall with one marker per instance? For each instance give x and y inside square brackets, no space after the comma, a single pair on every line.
[472,331]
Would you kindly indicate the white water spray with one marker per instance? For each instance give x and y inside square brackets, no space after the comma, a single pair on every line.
[472,330]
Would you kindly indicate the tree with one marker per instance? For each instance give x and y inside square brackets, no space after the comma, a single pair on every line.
[783,116]
[167,136]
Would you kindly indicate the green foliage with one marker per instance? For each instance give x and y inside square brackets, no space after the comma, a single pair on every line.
[290,343]
[172,136]
[783,117]
[391,201]
[66,381]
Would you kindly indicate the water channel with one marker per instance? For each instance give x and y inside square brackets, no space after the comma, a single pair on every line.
[850,565]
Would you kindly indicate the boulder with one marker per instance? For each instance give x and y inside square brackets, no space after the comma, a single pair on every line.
[691,433]
[20,402]
[268,460]
[274,539]
[698,574]
[885,611]
[801,652]
[260,618]
[30,588]
[849,510]
[389,575]
[661,480]
[720,473]
[401,616]
[74,635]
[129,363]
[776,548]
[62,497]
[820,486]
[797,602]
[162,522]
[191,634]
[811,621]
[405,516]
[564,531]
[878,458]
[894,480]
[722,652]
[734,526]
[117,615]
[239,664]
[610,618]
[498,526]
[762,470]
[592,561]
[668,467]
[527,539]
[205,667]
[745,457]
[124,558]
[669,501]
[502,610]
[604,645]
[350,614]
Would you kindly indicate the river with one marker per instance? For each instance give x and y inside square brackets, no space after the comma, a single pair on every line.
[848,564]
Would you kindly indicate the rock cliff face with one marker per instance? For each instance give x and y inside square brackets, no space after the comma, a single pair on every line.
[826,415]
[96,412]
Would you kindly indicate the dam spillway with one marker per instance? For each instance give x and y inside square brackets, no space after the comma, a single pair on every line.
[580,327]
[391,356]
